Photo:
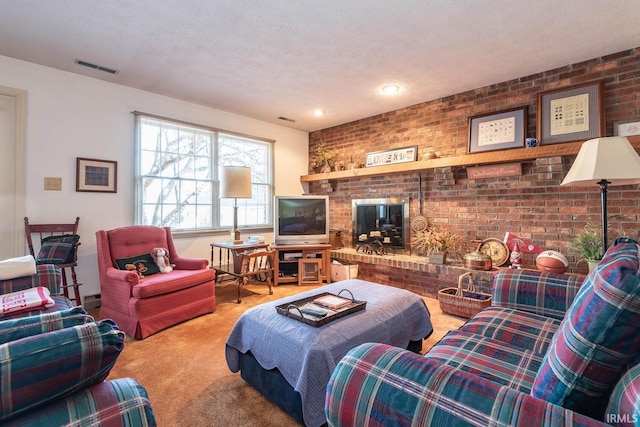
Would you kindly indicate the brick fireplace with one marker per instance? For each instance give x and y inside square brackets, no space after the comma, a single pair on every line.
[531,205]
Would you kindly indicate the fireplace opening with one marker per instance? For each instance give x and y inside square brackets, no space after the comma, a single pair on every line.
[381,221]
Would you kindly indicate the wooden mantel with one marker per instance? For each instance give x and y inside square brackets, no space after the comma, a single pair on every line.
[514,155]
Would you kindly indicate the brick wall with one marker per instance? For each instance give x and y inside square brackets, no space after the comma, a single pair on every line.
[533,205]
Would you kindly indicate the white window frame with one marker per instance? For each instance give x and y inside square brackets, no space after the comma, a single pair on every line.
[196,196]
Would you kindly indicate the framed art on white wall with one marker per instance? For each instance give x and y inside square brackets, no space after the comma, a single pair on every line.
[93,175]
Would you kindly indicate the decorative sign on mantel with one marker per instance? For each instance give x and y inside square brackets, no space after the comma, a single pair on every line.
[398,155]
[495,171]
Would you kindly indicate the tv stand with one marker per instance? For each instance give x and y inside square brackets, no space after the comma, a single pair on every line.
[286,262]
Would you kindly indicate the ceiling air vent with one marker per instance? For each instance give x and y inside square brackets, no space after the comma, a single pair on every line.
[96,67]
[286,119]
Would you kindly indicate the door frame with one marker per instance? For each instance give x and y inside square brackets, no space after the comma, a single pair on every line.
[20,135]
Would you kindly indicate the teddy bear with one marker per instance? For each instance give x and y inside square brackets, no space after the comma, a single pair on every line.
[132,267]
[161,258]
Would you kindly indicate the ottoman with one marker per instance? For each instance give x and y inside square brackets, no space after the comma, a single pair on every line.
[291,362]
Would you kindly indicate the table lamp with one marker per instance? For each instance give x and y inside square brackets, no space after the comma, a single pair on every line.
[604,162]
[235,183]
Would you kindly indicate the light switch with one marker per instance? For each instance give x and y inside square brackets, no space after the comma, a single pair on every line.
[52,184]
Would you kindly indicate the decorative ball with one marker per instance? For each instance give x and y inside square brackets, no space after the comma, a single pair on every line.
[552,261]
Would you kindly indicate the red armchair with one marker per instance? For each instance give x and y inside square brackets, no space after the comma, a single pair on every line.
[144,306]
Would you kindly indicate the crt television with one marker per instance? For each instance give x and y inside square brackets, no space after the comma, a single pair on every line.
[301,220]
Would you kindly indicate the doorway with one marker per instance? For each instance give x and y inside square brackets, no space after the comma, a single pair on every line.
[12,171]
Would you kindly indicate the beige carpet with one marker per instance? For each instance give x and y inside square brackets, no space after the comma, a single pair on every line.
[185,373]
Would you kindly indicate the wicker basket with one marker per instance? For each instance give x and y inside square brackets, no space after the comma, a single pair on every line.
[463,302]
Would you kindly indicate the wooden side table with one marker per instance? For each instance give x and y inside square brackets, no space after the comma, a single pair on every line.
[230,256]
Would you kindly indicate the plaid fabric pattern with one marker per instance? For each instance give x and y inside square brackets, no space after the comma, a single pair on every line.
[42,368]
[47,275]
[488,358]
[547,294]
[598,337]
[114,403]
[57,249]
[624,403]
[14,329]
[378,385]
[521,329]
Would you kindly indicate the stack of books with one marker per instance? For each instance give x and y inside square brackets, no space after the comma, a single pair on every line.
[332,301]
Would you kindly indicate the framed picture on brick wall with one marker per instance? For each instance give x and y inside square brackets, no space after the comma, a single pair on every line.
[626,128]
[571,114]
[498,131]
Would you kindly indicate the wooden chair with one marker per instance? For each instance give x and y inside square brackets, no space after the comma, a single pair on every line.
[43,231]
[256,265]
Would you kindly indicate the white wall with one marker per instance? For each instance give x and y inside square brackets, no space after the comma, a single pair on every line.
[71,116]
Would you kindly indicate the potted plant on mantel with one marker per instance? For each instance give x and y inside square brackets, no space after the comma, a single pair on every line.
[435,241]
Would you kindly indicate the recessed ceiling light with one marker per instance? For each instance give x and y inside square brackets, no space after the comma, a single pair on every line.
[390,89]
[318,113]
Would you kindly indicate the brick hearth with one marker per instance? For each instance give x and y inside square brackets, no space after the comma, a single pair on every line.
[410,272]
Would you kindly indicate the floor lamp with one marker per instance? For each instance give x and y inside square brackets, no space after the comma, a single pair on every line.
[235,183]
[605,162]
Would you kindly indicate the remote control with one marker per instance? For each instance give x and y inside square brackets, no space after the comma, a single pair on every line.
[314,312]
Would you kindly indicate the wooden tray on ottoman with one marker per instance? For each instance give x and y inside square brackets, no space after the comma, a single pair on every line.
[463,303]
[292,309]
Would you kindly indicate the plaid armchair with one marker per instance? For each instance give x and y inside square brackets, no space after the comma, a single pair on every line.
[54,362]
[48,276]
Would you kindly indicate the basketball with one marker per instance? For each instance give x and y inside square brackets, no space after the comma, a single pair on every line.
[552,261]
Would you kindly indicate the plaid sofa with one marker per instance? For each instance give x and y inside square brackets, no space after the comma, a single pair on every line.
[54,362]
[552,350]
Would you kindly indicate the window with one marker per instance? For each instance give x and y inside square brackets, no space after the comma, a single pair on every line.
[177,175]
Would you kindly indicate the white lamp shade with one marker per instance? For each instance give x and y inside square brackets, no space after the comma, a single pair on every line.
[613,159]
[235,182]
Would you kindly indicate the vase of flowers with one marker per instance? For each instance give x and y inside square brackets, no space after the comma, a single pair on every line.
[439,258]
[435,241]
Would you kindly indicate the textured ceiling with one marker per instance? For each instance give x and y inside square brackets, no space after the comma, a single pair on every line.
[265,59]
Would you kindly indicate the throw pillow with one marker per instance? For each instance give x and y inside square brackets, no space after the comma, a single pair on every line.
[143,264]
[597,337]
[58,249]
[623,409]
[39,369]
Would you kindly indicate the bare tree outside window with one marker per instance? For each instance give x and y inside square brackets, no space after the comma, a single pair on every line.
[178,176]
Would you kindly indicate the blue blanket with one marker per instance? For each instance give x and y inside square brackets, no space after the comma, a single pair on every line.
[306,356]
